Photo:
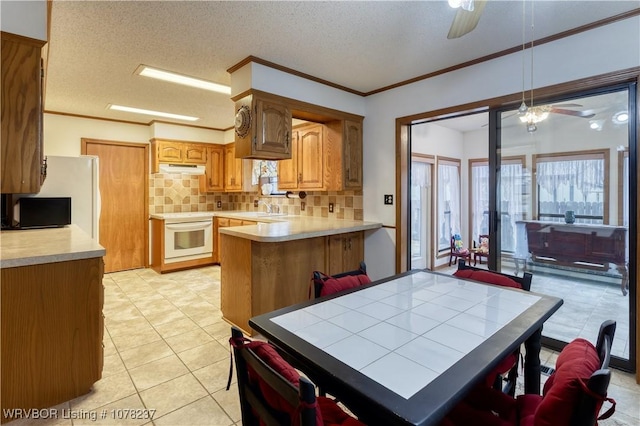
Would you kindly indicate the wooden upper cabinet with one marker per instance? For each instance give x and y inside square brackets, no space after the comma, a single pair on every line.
[305,168]
[170,152]
[177,152]
[263,127]
[288,169]
[22,151]
[310,158]
[343,155]
[195,153]
[233,169]
[352,155]
[215,168]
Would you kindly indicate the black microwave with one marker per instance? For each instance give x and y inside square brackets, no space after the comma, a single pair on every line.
[44,212]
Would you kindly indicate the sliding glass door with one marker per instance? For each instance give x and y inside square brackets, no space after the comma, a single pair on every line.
[562,205]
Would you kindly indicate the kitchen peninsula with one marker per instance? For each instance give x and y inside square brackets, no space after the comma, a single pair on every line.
[52,323]
[268,266]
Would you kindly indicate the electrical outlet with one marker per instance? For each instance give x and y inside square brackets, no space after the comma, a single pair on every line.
[219,204]
[255,203]
[330,207]
[388,198]
[302,206]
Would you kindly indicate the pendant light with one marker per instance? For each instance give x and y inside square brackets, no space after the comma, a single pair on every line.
[531,115]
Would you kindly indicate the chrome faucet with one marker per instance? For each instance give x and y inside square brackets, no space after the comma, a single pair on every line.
[268,206]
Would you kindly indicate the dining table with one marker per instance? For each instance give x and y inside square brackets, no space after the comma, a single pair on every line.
[404,350]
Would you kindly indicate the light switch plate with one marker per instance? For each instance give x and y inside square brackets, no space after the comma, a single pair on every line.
[388,198]
[330,207]
[219,204]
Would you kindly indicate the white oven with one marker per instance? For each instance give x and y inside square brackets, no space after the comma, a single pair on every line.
[187,237]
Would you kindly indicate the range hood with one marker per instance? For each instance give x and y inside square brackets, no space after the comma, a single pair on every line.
[185,169]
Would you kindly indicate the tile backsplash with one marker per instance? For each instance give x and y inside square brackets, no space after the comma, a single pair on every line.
[174,193]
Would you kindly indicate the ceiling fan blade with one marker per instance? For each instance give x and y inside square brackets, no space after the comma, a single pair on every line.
[567,105]
[581,114]
[465,21]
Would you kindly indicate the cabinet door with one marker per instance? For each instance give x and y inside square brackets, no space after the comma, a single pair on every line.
[21,142]
[354,251]
[215,168]
[195,154]
[345,252]
[273,129]
[310,158]
[352,155]
[288,169]
[170,152]
[232,169]
[335,254]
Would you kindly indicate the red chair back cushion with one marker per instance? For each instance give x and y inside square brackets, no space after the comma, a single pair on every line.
[334,285]
[562,391]
[487,277]
[268,354]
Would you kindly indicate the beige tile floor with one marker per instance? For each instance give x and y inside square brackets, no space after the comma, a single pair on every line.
[166,351]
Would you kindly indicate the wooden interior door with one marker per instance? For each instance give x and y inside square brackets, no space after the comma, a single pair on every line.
[124,229]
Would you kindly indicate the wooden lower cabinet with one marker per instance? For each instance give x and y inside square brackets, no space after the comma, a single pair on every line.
[344,252]
[259,277]
[52,330]
[223,222]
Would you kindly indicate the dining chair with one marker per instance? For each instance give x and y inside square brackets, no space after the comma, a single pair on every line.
[324,285]
[273,393]
[505,375]
[458,250]
[572,396]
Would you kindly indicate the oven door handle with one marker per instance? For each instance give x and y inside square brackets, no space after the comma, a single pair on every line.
[188,226]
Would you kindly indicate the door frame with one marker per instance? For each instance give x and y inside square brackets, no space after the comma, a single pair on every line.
[403,160]
[83,150]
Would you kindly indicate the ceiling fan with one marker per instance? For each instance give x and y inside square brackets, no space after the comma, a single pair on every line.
[467,16]
[559,109]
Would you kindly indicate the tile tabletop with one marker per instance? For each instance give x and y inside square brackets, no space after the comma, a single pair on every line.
[405,332]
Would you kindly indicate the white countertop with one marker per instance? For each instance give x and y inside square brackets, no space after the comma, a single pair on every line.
[39,246]
[287,228]
[279,227]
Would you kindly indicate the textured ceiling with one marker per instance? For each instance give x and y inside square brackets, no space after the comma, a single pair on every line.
[95,46]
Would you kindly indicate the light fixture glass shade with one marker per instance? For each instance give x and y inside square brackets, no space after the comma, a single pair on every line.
[185,80]
[620,117]
[535,114]
[455,3]
[523,108]
[151,112]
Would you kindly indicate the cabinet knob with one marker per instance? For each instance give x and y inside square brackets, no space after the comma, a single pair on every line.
[299,177]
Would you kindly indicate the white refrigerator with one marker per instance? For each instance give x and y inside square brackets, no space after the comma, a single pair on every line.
[76,177]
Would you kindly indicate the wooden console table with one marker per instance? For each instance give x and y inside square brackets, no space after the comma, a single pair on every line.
[584,246]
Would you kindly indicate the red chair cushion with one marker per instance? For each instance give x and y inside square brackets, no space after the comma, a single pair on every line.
[272,358]
[487,277]
[332,414]
[334,285]
[505,365]
[577,361]
[526,406]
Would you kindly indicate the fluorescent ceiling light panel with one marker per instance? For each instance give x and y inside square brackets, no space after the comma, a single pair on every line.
[159,74]
[150,112]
